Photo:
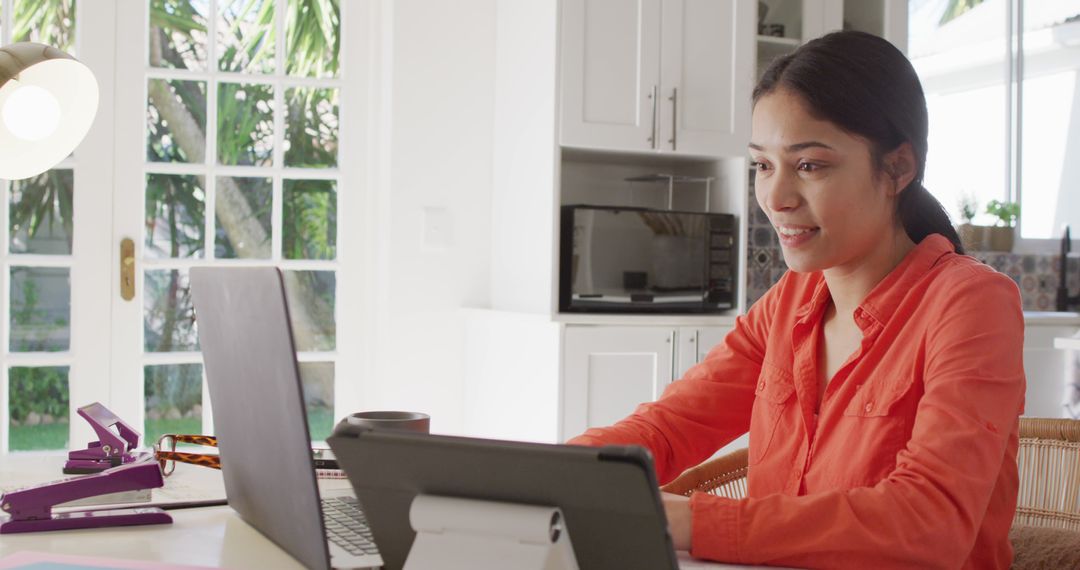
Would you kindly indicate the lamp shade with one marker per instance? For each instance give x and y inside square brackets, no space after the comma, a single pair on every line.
[47,102]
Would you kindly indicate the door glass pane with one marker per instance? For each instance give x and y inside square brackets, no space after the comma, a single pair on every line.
[40,309]
[317,379]
[178,33]
[311,297]
[1050,119]
[309,230]
[242,217]
[958,50]
[311,129]
[175,218]
[173,400]
[168,316]
[40,213]
[245,32]
[49,22]
[313,37]
[176,121]
[245,124]
[38,408]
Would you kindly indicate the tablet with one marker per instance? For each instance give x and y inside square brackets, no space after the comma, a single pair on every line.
[608,496]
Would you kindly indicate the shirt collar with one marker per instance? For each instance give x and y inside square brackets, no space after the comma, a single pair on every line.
[883,299]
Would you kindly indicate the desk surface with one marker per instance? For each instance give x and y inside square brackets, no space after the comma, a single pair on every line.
[205,536]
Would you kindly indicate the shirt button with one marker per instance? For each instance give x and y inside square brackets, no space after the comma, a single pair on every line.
[761,385]
[869,406]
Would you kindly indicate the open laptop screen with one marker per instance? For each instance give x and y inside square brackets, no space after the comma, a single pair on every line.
[258,406]
[608,496]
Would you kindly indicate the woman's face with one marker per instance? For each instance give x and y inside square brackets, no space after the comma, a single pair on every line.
[818,185]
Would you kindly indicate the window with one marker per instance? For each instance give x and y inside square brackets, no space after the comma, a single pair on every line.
[1000,79]
[241,162]
[37,266]
[218,141]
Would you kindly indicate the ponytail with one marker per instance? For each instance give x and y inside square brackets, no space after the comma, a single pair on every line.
[922,214]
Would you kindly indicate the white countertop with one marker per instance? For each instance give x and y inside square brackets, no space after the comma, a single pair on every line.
[1051,318]
[1031,318]
[1068,343]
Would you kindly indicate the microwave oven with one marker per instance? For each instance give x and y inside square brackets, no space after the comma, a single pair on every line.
[640,260]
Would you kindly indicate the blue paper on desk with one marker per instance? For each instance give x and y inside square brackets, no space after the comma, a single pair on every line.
[28,560]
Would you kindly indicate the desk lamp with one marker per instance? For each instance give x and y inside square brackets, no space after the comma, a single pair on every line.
[47,102]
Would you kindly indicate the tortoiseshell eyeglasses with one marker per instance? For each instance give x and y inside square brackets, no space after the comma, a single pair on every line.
[167,456]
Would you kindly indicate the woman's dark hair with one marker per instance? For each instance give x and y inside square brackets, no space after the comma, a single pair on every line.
[864,85]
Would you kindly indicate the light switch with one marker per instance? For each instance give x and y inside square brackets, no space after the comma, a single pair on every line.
[438,228]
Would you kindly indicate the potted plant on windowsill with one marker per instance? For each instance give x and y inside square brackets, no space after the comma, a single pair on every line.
[1002,234]
[973,237]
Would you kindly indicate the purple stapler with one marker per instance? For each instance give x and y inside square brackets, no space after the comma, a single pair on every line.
[30,509]
[113,448]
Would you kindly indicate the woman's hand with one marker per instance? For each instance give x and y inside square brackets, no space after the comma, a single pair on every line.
[677,508]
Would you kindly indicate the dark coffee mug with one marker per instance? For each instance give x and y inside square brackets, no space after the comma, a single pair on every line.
[354,423]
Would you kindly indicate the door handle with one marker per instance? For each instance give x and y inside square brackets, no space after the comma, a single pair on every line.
[127,269]
[655,95]
[674,117]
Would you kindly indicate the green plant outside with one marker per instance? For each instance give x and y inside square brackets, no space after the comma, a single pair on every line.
[42,390]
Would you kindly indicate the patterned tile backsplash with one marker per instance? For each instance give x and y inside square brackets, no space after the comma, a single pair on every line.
[1036,275]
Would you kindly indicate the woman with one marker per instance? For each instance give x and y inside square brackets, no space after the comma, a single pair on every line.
[881,379]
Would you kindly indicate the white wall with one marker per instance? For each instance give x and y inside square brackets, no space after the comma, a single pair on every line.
[431,194]
[524,234]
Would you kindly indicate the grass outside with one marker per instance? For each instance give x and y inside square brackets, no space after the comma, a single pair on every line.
[320,423]
[39,437]
[154,429]
[55,436]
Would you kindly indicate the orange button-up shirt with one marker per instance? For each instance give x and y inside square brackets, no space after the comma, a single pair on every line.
[910,461]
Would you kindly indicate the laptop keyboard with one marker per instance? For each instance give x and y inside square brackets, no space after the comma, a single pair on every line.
[347,527]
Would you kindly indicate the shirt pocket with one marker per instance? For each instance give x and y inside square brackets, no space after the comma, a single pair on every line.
[774,391]
[875,427]
[879,399]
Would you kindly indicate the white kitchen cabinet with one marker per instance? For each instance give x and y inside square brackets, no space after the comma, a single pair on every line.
[804,20]
[1046,369]
[610,73]
[694,343]
[609,370]
[663,76]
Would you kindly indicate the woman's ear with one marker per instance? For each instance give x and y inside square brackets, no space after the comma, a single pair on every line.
[900,166]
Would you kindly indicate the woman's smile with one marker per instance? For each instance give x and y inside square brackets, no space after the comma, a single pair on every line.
[795,236]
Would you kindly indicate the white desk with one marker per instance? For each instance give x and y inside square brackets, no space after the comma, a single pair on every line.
[205,536]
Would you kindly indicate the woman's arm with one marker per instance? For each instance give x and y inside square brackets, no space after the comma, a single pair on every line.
[706,409]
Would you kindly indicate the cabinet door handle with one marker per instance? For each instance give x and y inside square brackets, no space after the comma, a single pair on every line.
[654,96]
[674,117]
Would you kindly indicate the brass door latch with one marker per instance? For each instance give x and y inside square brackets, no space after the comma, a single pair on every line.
[127,269]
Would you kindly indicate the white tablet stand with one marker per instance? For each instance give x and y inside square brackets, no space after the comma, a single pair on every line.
[470,534]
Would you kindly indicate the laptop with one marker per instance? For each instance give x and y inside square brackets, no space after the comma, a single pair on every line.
[261,422]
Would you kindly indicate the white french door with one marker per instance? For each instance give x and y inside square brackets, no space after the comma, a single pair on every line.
[231,132]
